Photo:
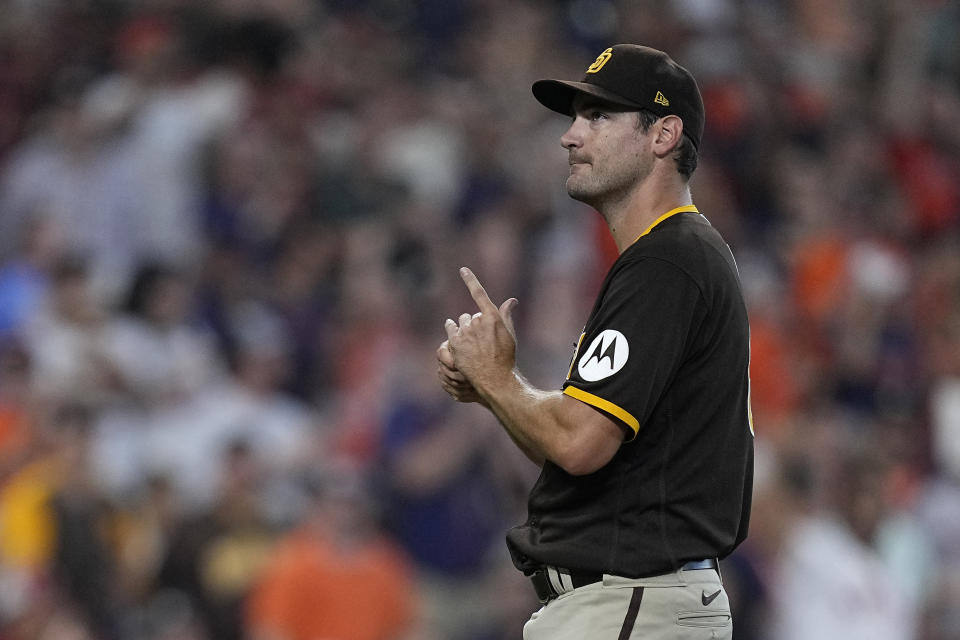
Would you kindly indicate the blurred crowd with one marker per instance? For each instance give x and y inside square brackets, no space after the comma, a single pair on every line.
[230,234]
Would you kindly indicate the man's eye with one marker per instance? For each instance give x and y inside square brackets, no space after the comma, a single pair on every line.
[597,115]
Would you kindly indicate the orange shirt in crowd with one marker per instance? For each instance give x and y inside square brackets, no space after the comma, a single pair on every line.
[773,376]
[819,275]
[312,590]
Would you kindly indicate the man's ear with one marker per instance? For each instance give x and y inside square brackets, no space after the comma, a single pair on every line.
[669,131]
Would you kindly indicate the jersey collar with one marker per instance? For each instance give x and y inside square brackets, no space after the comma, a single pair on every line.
[684,209]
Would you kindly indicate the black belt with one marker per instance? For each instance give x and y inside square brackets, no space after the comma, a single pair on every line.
[543,581]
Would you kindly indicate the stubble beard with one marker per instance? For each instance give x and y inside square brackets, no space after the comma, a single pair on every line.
[597,190]
[586,191]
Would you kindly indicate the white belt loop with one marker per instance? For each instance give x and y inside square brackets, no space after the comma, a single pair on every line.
[554,575]
[560,579]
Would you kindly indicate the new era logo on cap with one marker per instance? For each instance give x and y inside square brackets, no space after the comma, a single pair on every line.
[636,77]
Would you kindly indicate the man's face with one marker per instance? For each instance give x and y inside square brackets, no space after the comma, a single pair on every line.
[609,154]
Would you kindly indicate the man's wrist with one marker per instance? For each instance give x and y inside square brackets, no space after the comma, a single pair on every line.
[496,388]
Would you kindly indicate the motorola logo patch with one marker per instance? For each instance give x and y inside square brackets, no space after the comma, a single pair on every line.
[605,356]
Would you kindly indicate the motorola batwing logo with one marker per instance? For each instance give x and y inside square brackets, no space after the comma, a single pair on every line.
[605,356]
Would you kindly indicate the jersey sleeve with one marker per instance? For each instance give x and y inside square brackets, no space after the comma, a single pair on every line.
[635,340]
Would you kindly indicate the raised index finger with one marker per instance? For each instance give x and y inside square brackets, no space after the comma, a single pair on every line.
[477,292]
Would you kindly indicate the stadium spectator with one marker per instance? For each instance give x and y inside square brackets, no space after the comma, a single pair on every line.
[832,581]
[335,576]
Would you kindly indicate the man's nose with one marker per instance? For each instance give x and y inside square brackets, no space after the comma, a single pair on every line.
[572,138]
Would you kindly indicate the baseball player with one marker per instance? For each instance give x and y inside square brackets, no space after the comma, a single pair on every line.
[647,451]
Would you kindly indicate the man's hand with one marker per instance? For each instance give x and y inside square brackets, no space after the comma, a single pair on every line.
[452,381]
[480,350]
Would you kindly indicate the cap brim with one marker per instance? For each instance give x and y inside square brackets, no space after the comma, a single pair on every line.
[558,95]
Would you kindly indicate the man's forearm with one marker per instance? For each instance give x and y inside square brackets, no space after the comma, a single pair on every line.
[549,425]
[528,416]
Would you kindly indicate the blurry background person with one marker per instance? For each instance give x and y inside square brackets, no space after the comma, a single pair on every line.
[833,581]
[444,482]
[25,277]
[215,558]
[162,359]
[335,576]
[251,405]
[66,340]
[55,547]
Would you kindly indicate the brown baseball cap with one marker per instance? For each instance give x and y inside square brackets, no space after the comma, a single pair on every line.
[633,76]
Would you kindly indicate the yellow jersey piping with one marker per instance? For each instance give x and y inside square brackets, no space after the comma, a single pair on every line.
[604,405]
[689,208]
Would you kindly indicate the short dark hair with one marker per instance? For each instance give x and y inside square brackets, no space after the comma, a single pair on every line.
[685,155]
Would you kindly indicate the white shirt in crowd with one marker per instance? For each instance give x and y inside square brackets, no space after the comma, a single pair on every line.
[832,586]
